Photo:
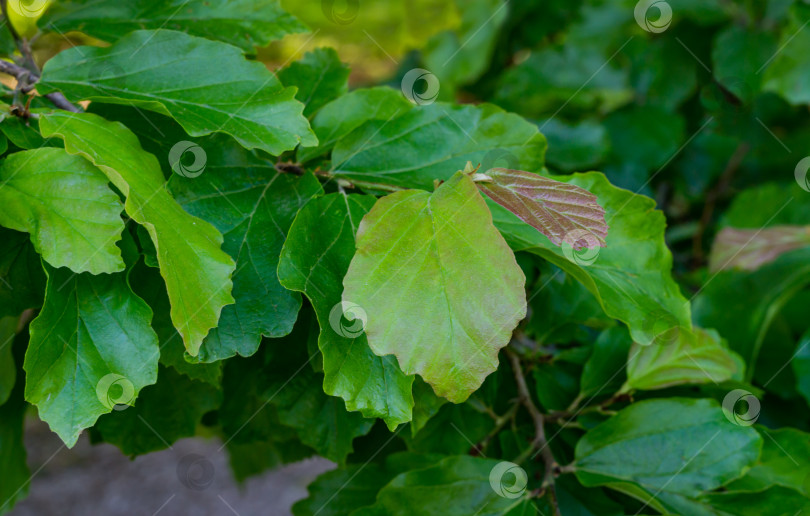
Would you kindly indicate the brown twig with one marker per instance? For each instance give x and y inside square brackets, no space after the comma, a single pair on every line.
[540,442]
[698,254]
[28,74]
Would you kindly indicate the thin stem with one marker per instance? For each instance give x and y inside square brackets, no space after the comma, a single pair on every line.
[540,442]
[28,74]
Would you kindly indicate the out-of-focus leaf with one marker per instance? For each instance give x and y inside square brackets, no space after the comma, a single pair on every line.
[165,412]
[800,363]
[737,54]
[562,211]
[205,85]
[604,372]
[412,279]
[64,202]
[244,23]
[319,76]
[648,136]
[749,249]
[8,369]
[16,477]
[743,320]
[576,146]
[788,69]
[314,260]
[22,281]
[687,357]
[185,243]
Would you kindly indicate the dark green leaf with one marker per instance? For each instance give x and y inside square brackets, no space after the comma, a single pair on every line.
[320,78]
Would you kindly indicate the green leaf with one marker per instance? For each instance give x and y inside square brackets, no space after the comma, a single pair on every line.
[604,372]
[315,258]
[248,460]
[455,486]
[411,274]
[689,357]
[787,73]
[565,213]
[341,116]
[24,135]
[8,370]
[319,76]
[148,285]
[22,281]
[205,85]
[165,412]
[744,320]
[426,405]
[15,474]
[648,136]
[800,363]
[774,501]
[631,276]
[244,23]
[185,244]
[431,142]
[253,206]
[91,348]
[676,445]
[64,202]
[737,55]
[341,491]
[575,147]
[471,426]
[784,462]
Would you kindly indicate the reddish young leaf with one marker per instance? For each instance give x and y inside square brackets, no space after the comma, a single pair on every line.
[749,249]
[561,211]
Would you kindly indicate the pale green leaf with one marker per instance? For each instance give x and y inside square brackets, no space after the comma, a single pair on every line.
[197,272]
[205,85]
[688,357]
[442,290]
[64,202]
